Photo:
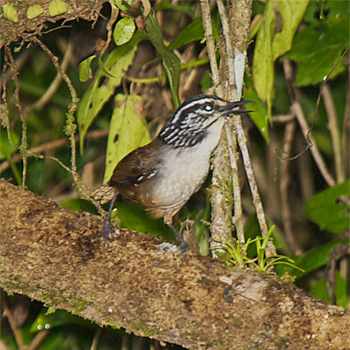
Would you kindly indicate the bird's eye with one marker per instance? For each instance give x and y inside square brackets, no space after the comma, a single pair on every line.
[208,107]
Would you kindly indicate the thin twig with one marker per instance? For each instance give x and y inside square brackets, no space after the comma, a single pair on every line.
[12,322]
[232,145]
[46,97]
[229,51]
[24,142]
[70,124]
[209,37]
[38,339]
[50,146]
[306,130]
[296,108]
[334,131]
[270,249]
[284,184]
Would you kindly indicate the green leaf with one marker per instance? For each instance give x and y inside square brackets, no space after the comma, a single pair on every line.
[34,11]
[259,114]
[102,88]
[292,12]
[328,41]
[57,7]
[6,148]
[10,12]
[123,31]
[194,31]
[134,217]
[312,259]
[126,132]
[263,69]
[123,5]
[319,290]
[328,210]
[171,62]
[85,70]
[78,204]
[46,320]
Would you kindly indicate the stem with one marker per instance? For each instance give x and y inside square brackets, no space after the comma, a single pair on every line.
[334,131]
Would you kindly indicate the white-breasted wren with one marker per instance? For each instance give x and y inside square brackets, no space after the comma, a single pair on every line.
[164,174]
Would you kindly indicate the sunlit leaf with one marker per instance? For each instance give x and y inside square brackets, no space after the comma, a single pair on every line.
[292,12]
[57,7]
[328,210]
[10,12]
[102,88]
[123,5]
[123,31]
[263,70]
[126,131]
[171,62]
[34,11]
[85,70]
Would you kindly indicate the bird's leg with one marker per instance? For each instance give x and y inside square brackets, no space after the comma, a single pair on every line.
[106,233]
[183,245]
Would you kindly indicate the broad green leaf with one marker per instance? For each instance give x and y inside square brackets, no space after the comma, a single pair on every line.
[6,148]
[57,7]
[10,12]
[194,31]
[126,131]
[34,11]
[123,31]
[292,12]
[328,43]
[328,210]
[102,88]
[171,62]
[85,70]
[263,69]
[259,114]
[312,259]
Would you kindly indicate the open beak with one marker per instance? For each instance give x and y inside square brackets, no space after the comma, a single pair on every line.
[232,107]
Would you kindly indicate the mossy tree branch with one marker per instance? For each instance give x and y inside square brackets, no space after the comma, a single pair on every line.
[54,255]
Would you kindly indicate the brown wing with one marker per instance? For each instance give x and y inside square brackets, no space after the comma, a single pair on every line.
[136,168]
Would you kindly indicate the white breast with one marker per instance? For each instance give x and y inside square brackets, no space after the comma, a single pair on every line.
[185,169]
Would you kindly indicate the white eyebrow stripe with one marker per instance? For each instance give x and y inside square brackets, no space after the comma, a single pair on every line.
[189,105]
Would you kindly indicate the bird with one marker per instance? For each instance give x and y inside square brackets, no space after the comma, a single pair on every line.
[164,174]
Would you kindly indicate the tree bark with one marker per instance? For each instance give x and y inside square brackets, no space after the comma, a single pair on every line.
[54,255]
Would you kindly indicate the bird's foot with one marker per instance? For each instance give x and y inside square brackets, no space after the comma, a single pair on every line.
[106,232]
[183,244]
